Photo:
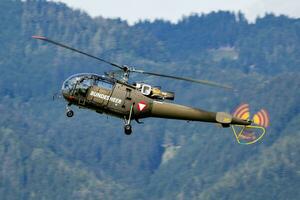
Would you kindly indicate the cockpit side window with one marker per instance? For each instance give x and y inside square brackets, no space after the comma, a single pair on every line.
[83,85]
[79,84]
[86,83]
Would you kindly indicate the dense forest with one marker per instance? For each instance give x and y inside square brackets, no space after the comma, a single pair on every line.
[44,155]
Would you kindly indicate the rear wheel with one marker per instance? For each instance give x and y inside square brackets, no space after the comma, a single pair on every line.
[127,129]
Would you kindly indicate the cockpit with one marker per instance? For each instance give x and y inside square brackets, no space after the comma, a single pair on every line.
[78,84]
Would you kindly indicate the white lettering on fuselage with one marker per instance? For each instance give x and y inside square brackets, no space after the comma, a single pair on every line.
[106,97]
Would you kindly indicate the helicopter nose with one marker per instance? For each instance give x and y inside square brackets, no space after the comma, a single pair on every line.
[67,95]
[66,91]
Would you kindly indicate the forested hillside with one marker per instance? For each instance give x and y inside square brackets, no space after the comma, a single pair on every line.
[44,155]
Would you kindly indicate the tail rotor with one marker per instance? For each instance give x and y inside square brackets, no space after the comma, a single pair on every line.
[252,133]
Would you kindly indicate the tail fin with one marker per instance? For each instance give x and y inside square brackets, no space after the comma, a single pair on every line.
[252,133]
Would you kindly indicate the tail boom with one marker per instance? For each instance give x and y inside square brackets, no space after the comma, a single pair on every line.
[180,112]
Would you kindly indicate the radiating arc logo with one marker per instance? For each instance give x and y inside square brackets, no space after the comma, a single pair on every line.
[242,112]
[261,118]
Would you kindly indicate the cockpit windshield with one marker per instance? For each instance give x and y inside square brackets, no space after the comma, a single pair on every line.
[79,83]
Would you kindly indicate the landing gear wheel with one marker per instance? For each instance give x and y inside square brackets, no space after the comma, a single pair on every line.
[70,113]
[127,129]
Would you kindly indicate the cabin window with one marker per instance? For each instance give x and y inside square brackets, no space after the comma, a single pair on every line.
[104,84]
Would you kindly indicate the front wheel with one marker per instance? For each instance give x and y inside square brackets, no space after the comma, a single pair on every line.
[70,113]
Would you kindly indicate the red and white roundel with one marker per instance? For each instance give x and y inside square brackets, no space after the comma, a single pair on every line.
[141,106]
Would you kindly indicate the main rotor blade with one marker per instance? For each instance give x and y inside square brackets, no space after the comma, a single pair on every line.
[78,51]
[184,79]
[129,69]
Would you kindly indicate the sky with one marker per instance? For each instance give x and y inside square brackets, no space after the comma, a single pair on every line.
[173,10]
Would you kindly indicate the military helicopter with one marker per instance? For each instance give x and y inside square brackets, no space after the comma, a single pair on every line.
[112,94]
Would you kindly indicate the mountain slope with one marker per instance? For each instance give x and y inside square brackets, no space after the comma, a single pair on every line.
[41,149]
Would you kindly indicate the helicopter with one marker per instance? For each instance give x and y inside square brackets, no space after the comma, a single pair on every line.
[114,95]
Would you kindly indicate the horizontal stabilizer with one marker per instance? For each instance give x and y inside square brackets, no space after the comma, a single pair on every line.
[223,118]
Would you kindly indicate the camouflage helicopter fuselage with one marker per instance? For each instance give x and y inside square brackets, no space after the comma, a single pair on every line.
[112,97]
